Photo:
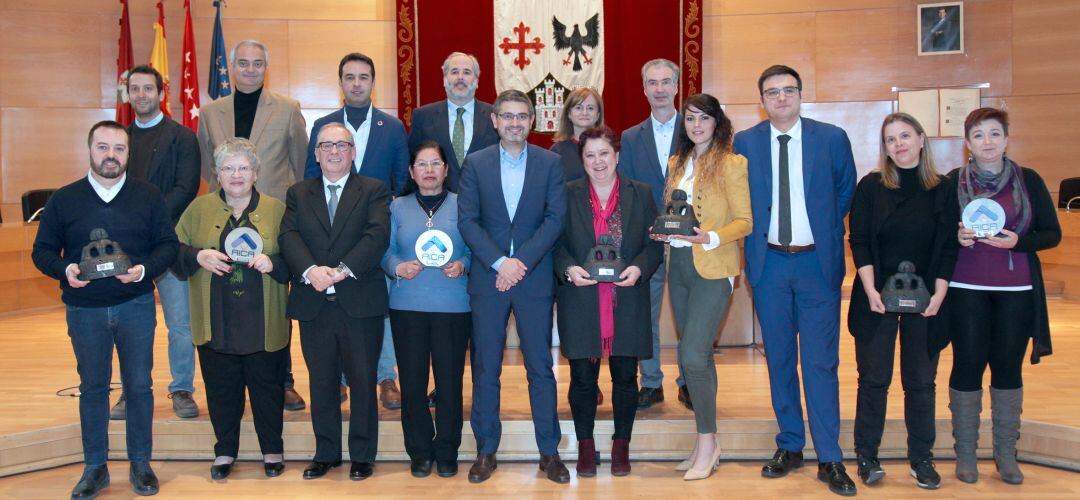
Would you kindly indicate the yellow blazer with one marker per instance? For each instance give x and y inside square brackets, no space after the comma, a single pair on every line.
[721,207]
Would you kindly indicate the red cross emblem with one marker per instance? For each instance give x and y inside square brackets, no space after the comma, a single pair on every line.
[521,46]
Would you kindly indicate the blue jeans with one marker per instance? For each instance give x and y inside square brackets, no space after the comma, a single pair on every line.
[93,331]
[651,375]
[174,303]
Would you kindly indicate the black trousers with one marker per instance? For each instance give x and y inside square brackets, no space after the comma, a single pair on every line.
[425,342]
[584,374]
[874,356]
[334,343]
[226,376]
[989,328]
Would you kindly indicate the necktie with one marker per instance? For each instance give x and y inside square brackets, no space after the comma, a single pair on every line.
[785,193]
[333,201]
[458,139]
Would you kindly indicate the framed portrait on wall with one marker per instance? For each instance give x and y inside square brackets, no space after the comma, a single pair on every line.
[940,28]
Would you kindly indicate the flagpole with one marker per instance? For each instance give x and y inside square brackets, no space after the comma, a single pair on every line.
[189,82]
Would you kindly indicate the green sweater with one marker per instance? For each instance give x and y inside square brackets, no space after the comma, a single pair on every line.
[200,227]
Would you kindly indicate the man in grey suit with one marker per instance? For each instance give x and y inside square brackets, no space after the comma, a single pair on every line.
[270,120]
[460,124]
[165,154]
[645,150]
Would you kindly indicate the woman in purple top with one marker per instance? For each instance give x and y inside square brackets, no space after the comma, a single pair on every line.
[996,296]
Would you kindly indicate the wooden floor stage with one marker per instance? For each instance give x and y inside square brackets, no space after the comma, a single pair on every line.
[39,429]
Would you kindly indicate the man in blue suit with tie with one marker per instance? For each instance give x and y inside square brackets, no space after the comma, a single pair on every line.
[510,212]
[645,151]
[381,153]
[802,177]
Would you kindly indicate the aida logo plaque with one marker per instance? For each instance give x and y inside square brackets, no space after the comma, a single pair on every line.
[243,244]
[102,257]
[604,263]
[434,248]
[678,217]
[985,217]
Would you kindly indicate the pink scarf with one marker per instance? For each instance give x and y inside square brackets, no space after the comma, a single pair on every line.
[606,290]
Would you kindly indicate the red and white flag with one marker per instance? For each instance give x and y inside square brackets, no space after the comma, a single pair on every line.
[189,82]
[546,49]
[124,62]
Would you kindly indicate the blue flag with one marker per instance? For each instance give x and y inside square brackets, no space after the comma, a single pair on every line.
[219,85]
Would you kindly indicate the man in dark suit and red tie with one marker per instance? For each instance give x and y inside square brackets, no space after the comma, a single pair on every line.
[334,233]
[461,124]
[510,213]
[802,178]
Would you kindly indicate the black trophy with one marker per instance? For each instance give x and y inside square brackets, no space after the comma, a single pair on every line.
[102,257]
[605,263]
[678,217]
[905,292]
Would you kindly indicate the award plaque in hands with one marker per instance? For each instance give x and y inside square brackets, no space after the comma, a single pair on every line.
[605,263]
[678,217]
[905,292]
[984,216]
[102,257]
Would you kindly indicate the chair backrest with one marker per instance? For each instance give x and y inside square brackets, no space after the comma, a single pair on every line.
[1069,189]
[34,200]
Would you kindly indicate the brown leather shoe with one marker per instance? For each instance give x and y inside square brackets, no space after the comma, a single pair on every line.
[555,469]
[293,401]
[483,467]
[389,395]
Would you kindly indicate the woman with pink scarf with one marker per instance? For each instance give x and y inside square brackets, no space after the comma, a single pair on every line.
[601,319]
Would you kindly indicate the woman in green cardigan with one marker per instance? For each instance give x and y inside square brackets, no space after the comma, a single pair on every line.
[238,284]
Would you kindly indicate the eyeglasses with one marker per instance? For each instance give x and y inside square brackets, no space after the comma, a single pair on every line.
[229,169]
[787,91]
[509,117]
[420,165]
[327,147]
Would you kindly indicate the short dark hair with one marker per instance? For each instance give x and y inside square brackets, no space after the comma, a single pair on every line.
[602,132]
[355,56]
[105,124]
[982,114]
[513,96]
[777,70]
[145,69]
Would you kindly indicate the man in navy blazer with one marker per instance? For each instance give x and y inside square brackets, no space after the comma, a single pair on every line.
[645,151]
[510,213]
[802,177]
[461,124]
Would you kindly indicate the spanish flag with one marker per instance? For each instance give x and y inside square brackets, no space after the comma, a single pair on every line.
[159,57]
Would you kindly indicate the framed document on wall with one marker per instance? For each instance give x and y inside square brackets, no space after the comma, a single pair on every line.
[940,28]
[940,111]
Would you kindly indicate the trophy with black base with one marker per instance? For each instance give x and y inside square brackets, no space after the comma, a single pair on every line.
[678,217]
[102,257]
[605,262]
[905,291]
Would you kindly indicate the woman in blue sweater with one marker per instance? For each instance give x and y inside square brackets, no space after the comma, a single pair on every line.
[429,310]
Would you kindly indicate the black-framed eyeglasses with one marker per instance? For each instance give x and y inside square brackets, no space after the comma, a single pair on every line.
[328,146]
[787,91]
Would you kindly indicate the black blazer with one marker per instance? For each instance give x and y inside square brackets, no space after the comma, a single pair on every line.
[174,166]
[570,157]
[432,122]
[358,238]
[579,308]
[871,206]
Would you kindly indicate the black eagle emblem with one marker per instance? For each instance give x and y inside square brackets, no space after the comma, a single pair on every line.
[576,42]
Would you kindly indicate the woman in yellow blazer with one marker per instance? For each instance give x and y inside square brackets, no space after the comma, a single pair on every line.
[702,267]
[238,293]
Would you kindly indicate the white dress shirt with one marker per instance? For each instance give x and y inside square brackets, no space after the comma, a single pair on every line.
[800,220]
[360,138]
[663,134]
[466,118]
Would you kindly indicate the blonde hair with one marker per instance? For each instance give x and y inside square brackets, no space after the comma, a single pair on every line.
[890,178]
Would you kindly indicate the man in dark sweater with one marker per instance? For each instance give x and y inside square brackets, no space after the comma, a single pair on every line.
[113,310]
[166,154]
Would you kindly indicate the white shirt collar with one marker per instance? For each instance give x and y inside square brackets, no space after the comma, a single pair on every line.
[156,120]
[795,133]
[340,182]
[469,107]
[656,125]
[106,193]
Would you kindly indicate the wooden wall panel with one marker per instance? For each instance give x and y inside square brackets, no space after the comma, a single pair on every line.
[1040,132]
[861,121]
[330,10]
[743,7]
[1046,47]
[749,44]
[45,60]
[314,62]
[45,147]
[855,57]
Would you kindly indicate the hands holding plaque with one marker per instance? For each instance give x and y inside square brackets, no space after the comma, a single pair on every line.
[983,220]
[678,219]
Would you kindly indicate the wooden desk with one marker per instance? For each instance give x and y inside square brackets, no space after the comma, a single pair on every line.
[22,286]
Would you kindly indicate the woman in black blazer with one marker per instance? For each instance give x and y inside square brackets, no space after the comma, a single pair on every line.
[605,320]
[898,214]
[584,109]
